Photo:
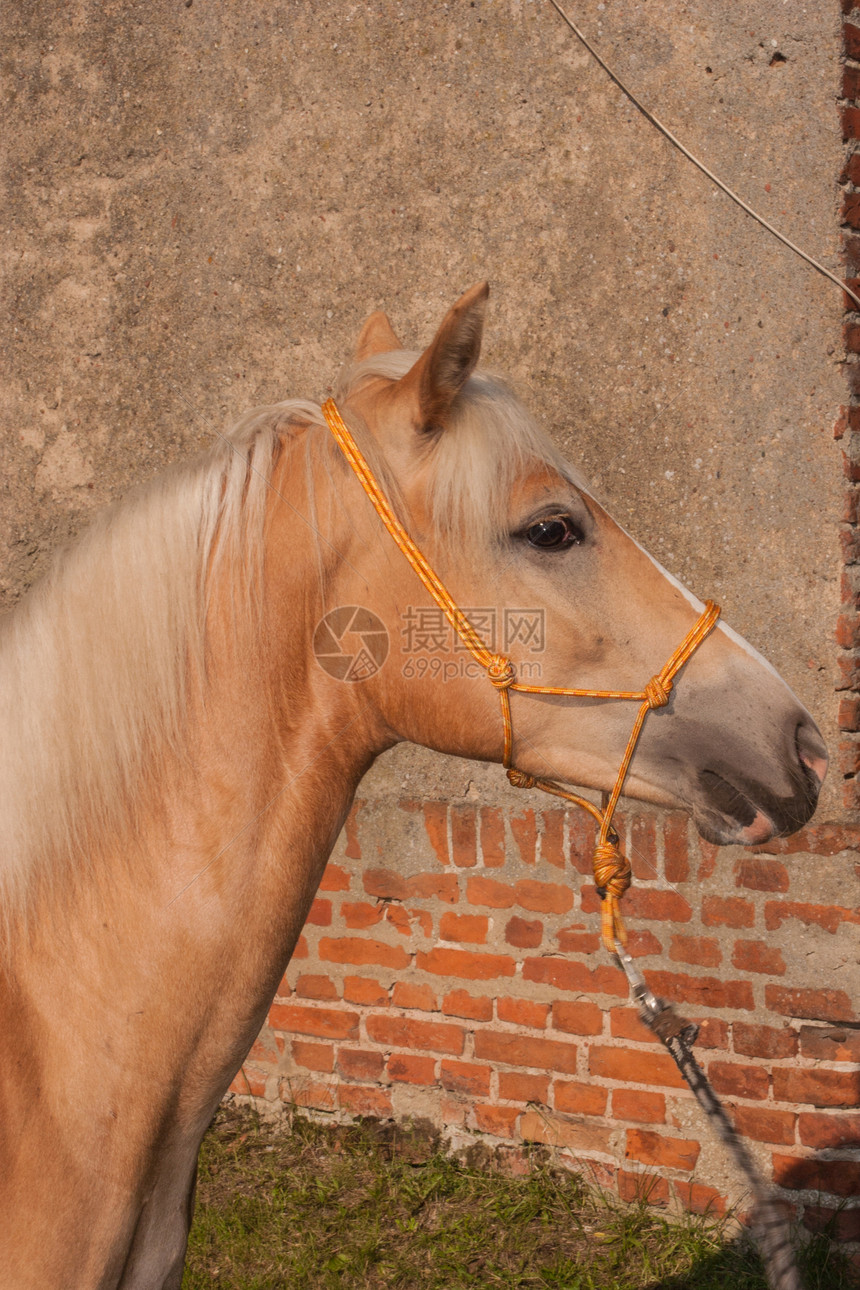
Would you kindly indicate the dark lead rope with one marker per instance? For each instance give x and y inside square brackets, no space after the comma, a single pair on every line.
[769,1225]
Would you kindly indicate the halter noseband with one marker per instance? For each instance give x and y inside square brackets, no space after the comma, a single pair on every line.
[612,873]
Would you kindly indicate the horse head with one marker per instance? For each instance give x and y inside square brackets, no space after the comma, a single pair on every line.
[533,557]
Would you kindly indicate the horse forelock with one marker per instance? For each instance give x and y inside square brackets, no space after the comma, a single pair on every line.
[489,442]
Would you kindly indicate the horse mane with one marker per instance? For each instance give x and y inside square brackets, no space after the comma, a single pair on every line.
[97,662]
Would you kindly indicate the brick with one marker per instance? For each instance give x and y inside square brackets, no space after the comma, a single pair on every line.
[765,1125]
[763,1041]
[384,884]
[543,897]
[701,950]
[524,830]
[360,949]
[314,1057]
[498,1120]
[738,1080]
[313,1094]
[830,1044]
[818,1129]
[523,1012]
[758,956]
[409,994]
[699,1199]
[727,911]
[360,914]
[836,1177]
[576,940]
[634,1066]
[632,1104]
[643,845]
[471,928]
[574,1098]
[815,1087]
[709,856]
[850,123]
[359,1063]
[644,902]
[624,1023]
[319,914]
[465,964]
[334,878]
[759,874]
[459,1003]
[492,836]
[543,1126]
[488,891]
[524,933]
[839,1224]
[641,941]
[360,989]
[815,1005]
[402,919]
[525,1050]
[464,836]
[408,1068]
[702,991]
[434,886]
[676,852]
[828,917]
[353,846]
[851,90]
[359,1100]
[515,1086]
[465,1077]
[326,1023]
[409,1033]
[566,975]
[436,828]
[662,1152]
[848,710]
[713,1033]
[642,1188]
[248,1083]
[301,950]
[583,830]
[577,1017]
[552,841]
[316,987]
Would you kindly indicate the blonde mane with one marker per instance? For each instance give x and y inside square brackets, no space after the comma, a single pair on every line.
[96,663]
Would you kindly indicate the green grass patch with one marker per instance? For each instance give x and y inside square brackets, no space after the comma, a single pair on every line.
[308,1205]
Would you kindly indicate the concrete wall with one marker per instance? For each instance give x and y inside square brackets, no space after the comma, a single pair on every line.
[202,202]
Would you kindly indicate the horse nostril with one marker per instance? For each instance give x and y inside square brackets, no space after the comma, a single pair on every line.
[811,750]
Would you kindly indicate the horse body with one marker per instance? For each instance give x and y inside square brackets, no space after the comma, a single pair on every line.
[149,928]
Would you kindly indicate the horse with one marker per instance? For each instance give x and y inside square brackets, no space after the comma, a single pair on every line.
[177,763]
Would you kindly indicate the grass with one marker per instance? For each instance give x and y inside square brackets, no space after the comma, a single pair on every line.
[309,1205]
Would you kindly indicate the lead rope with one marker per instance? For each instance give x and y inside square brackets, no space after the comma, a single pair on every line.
[769,1226]
[612,874]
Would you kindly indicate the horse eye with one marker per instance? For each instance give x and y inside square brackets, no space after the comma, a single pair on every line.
[554,533]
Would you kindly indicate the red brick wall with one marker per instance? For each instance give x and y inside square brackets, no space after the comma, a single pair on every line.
[453,971]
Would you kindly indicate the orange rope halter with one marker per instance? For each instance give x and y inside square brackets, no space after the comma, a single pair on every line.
[611,867]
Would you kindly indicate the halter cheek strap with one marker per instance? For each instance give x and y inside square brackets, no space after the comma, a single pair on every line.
[612,873]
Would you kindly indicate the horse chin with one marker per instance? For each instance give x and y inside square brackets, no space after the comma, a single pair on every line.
[729,816]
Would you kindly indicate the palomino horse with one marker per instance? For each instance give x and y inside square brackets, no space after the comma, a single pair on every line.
[176,765]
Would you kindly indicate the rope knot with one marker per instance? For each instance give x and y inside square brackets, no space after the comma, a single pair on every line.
[520,779]
[612,873]
[500,671]
[657,692]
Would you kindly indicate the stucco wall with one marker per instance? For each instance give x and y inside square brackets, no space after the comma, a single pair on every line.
[201,203]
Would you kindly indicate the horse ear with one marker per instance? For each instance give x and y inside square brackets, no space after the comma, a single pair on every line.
[443,369]
[376,337]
